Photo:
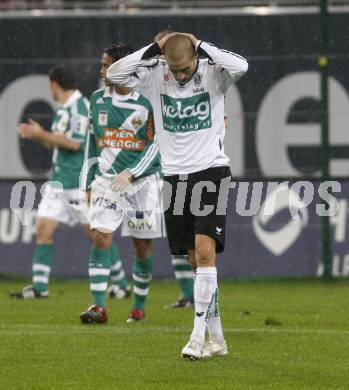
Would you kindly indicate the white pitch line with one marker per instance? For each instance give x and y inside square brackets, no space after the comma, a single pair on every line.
[93,329]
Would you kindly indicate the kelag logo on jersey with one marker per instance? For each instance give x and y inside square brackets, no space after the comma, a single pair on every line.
[186,114]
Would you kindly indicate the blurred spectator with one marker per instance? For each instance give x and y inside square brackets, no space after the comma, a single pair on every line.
[123,5]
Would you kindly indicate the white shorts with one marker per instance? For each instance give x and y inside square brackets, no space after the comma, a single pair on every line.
[138,209]
[60,205]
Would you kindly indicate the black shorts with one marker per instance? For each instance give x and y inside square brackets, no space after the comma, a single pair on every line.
[196,204]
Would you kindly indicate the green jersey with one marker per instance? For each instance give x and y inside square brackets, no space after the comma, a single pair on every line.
[70,119]
[121,136]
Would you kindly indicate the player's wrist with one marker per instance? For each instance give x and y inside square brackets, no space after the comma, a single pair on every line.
[40,133]
[129,171]
[152,51]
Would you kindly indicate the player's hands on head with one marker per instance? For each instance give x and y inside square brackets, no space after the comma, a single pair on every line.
[192,38]
[163,41]
[121,181]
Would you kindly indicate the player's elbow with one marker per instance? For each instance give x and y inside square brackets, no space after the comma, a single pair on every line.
[112,74]
[109,73]
[243,68]
[115,75]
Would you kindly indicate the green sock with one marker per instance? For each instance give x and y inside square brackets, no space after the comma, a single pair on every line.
[117,273]
[184,276]
[98,270]
[142,275]
[42,261]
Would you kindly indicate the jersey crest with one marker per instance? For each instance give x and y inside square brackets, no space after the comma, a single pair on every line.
[103,118]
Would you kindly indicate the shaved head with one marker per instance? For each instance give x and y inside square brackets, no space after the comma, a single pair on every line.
[178,48]
[180,56]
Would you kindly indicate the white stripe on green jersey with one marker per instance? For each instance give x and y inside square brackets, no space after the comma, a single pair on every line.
[70,119]
[189,118]
[121,135]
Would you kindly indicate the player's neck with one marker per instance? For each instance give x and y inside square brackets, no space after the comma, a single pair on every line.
[65,95]
[122,90]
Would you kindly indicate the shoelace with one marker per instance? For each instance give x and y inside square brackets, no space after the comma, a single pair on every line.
[195,345]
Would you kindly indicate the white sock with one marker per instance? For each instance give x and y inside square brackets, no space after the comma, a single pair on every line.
[214,325]
[204,290]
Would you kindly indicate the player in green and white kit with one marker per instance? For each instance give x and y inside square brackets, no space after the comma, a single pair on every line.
[121,149]
[69,128]
[119,287]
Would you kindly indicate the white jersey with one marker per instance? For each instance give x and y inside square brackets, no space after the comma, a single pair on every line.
[189,118]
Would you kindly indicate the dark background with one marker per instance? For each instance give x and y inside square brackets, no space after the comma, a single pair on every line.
[274,45]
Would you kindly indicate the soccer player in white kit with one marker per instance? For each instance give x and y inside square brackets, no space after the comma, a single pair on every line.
[180,263]
[187,93]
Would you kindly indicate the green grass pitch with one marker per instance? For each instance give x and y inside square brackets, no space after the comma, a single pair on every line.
[305,345]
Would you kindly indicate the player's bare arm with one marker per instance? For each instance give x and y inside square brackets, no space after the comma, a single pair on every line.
[34,131]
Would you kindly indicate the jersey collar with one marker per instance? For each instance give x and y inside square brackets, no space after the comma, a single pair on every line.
[108,93]
[74,97]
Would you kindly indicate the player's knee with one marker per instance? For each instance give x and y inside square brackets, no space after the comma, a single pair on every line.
[204,256]
[89,233]
[43,233]
[142,248]
[101,240]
